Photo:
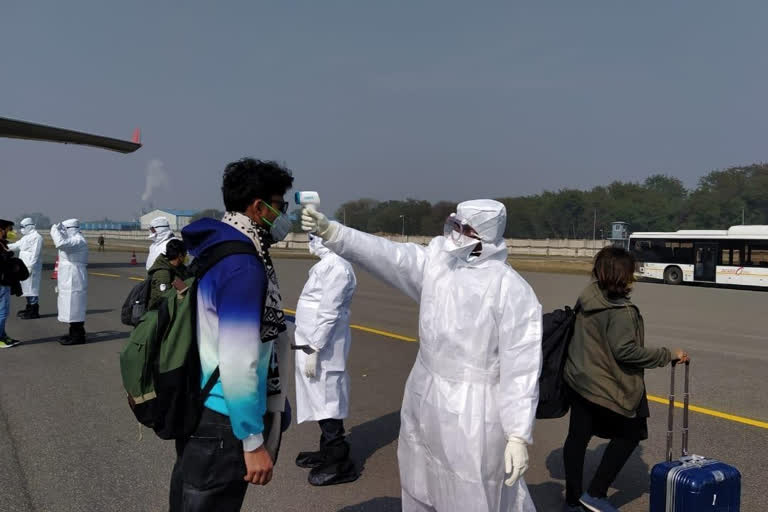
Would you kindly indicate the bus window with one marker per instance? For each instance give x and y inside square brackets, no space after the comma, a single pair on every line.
[757,255]
[726,257]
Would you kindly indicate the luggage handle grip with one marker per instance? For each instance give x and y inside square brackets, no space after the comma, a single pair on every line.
[671,413]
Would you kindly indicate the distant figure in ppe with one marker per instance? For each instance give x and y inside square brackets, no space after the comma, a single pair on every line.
[470,400]
[73,279]
[160,233]
[30,249]
[323,336]
[167,268]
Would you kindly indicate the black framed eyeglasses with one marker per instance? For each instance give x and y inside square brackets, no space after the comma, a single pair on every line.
[281,206]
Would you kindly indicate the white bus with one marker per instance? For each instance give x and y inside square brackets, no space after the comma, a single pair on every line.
[736,257]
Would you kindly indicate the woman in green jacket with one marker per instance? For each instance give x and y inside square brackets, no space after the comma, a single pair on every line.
[167,268]
[604,371]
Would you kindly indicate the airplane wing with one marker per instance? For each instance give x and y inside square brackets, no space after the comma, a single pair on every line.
[15,129]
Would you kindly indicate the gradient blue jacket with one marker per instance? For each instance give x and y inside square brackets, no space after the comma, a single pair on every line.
[230,303]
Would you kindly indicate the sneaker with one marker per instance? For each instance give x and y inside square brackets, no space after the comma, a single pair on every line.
[8,342]
[596,504]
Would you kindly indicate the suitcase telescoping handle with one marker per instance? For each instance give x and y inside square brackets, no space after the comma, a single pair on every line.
[671,418]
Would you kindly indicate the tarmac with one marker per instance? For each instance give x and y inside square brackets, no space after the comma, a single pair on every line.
[68,441]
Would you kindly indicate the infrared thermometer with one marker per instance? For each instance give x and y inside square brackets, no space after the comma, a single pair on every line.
[307,199]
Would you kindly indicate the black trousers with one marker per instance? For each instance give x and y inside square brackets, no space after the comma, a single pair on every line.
[209,470]
[580,431]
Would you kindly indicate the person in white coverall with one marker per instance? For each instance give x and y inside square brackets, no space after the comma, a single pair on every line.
[470,400]
[160,233]
[73,279]
[323,336]
[30,249]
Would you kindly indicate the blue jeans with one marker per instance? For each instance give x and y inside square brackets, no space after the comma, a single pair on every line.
[5,306]
[33,300]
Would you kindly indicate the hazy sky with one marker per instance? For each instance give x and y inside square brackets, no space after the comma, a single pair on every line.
[395,99]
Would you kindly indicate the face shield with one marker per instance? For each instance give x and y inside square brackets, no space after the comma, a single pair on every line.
[462,241]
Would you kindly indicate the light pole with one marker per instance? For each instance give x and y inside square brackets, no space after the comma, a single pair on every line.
[403,217]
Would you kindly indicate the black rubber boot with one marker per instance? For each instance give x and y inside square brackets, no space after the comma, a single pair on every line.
[310,460]
[23,312]
[337,468]
[76,334]
[33,313]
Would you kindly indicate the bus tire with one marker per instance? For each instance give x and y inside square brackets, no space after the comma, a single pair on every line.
[673,275]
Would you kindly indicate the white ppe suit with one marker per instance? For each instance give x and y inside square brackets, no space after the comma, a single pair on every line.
[474,384]
[322,322]
[30,249]
[73,275]
[160,239]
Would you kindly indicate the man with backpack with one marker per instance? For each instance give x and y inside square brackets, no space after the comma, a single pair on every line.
[239,318]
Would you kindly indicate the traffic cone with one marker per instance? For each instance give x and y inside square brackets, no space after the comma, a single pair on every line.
[133,258]
[55,274]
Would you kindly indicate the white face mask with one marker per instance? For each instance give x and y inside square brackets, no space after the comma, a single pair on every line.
[461,248]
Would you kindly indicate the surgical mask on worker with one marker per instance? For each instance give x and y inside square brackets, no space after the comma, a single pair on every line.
[12,236]
[280,227]
[461,240]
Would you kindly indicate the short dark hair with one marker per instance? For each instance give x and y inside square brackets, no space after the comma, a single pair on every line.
[614,271]
[248,179]
[175,248]
[4,224]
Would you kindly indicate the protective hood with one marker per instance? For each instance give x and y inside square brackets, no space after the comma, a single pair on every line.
[27,226]
[316,247]
[72,225]
[489,220]
[162,229]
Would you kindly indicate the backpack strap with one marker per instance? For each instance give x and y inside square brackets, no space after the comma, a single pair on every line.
[207,260]
[214,254]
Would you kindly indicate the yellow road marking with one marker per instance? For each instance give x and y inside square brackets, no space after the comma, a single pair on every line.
[652,398]
[384,333]
[103,275]
[710,412]
[137,279]
[371,330]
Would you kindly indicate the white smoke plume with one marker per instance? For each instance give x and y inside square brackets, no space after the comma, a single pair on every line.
[157,177]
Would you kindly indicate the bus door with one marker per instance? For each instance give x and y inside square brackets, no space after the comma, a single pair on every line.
[706,261]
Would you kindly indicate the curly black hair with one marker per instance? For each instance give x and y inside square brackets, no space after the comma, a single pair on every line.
[249,179]
[174,249]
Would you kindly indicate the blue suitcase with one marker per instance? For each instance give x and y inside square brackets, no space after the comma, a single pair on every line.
[692,483]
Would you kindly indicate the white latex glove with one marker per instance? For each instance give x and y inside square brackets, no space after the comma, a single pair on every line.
[310,366]
[314,221]
[515,460]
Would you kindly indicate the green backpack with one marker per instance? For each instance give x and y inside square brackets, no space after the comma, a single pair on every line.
[160,364]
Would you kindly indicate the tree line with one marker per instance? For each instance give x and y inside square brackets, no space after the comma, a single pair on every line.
[721,199]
